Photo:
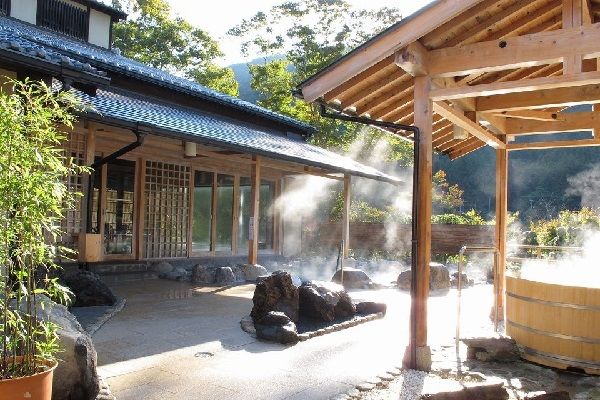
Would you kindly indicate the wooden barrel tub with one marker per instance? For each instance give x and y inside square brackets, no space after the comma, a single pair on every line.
[557,326]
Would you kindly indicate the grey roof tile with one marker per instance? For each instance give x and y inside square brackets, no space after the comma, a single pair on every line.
[210,129]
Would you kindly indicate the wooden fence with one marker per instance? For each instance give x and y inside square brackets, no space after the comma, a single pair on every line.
[445,239]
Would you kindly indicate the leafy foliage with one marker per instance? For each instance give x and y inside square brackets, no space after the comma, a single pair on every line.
[172,44]
[565,230]
[446,197]
[471,217]
[310,35]
[33,195]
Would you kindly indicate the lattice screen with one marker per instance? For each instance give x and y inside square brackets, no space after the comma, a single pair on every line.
[167,210]
[74,149]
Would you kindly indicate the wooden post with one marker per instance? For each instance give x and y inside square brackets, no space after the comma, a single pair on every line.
[572,16]
[346,214]
[501,222]
[254,209]
[418,353]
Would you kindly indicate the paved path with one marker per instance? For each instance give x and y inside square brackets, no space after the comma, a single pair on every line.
[175,342]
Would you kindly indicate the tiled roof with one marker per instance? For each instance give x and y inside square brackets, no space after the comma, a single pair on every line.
[187,123]
[12,30]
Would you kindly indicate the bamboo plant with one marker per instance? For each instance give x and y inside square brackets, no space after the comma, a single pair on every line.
[33,195]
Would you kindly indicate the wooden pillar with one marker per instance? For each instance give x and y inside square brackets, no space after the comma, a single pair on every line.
[501,223]
[346,214]
[419,354]
[572,16]
[254,209]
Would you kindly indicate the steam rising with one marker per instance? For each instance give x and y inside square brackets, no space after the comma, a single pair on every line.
[586,185]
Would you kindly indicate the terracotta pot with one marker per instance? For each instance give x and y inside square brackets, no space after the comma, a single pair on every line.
[33,387]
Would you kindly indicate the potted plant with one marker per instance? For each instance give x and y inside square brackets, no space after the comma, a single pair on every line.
[33,195]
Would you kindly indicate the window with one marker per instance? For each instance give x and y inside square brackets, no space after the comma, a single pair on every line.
[265,218]
[74,148]
[118,218]
[4,7]
[202,218]
[63,17]
[224,221]
[167,210]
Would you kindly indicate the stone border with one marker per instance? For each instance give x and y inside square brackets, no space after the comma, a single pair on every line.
[105,393]
[111,312]
[341,326]
[377,382]
[248,326]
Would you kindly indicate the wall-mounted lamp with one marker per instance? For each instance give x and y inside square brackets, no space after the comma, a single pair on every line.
[190,149]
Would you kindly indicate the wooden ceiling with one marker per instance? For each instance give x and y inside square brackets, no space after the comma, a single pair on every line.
[384,90]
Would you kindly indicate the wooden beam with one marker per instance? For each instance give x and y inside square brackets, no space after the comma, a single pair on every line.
[254,212]
[565,122]
[588,16]
[413,59]
[516,52]
[458,118]
[346,214]
[420,282]
[560,97]
[471,146]
[530,115]
[501,228]
[554,144]
[384,45]
[520,86]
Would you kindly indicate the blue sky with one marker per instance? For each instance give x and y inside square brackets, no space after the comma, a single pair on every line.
[217,17]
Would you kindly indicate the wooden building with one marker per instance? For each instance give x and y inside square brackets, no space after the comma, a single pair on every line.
[471,73]
[180,171]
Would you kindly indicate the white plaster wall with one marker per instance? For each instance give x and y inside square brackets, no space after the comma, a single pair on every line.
[25,10]
[99,29]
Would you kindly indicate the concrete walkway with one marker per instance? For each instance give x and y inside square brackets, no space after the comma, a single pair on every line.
[172,341]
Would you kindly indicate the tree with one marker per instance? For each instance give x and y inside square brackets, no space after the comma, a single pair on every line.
[153,37]
[309,35]
[446,198]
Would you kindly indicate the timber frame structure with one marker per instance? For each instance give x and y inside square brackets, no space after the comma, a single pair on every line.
[471,73]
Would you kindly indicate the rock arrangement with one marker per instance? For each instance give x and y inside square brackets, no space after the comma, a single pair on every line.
[279,303]
[210,274]
[89,290]
[499,349]
[439,278]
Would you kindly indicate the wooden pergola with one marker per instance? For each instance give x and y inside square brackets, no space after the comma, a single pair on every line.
[471,73]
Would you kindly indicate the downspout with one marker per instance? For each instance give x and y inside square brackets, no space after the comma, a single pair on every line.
[139,135]
[415,206]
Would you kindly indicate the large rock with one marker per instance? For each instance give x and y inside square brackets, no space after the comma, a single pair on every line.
[252,272]
[163,267]
[76,377]
[177,274]
[89,290]
[276,293]
[500,349]
[371,307]
[353,278]
[276,327]
[439,278]
[238,273]
[551,396]
[325,301]
[203,274]
[464,280]
[224,276]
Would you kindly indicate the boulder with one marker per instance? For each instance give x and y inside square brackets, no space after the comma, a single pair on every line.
[439,278]
[252,272]
[162,267]
[325,301]
[76,377]
[89,290]
[482,392]
[371,307]
[551,396]
[276,293]
[465,281]
[203,274]
[353,278]
[178,274]
[224,276]
[238,273]
[501,349]
[276,327]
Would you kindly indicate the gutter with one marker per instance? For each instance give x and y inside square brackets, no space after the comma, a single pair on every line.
[140,134]
[415,208]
